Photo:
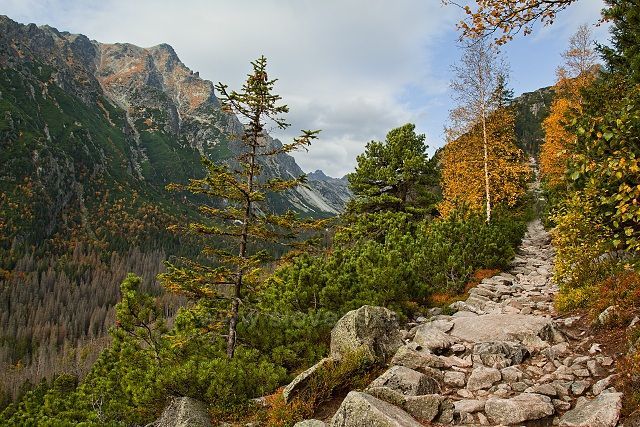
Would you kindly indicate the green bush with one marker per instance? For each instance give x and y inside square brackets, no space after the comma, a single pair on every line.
[383,259]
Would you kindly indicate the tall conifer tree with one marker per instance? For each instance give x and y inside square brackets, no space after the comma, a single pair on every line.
[243,222]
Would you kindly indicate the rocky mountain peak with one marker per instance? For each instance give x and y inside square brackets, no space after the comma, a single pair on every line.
[168,114]
[318,175]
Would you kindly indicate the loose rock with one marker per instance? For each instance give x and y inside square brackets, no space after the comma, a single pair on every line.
[523,407]
[482,378]
[360,409]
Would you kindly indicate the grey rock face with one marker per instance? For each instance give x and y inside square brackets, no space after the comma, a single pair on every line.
[310,423]
[603,411]
[523,407]
[469,405]
[455,379]
[360,409]
[418,360]
[335,191]
[500,354]
[482,378]
[601,385]
[432,338]
[407,381]
[425,407]
[529,330]
[301,381]
[372,329]
[185,412]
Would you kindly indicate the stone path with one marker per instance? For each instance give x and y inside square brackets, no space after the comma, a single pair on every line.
[503,358]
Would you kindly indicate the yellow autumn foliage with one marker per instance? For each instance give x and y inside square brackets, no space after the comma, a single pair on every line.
[463,167]
[554,152]
[558,142]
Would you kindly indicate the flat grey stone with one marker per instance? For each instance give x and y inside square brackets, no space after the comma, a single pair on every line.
[518,409]
[310,423]
[301,381]
[603,411]
[406,381]
[185,412]
[469,405]
[528,330]
[432,338]
[414,359]
[425,407]
[454,378]
[482,378]
[360,409]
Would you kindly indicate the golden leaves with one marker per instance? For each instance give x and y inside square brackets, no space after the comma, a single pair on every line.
[463,166]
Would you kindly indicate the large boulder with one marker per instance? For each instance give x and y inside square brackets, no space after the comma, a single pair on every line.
[425,407]
[407,381]
[373,329]
[518,409]
[360,409]
[185,412]
[302,380]
[603,411]
[535,332]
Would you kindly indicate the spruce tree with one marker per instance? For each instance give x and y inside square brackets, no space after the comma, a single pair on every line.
[241,218]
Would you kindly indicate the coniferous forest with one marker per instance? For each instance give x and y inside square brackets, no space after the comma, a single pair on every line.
[156,242]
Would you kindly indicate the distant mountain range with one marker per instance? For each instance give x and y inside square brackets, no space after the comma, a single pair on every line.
[79,117]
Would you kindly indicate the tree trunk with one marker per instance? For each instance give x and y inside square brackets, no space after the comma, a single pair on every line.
[233,320]
[486,166]
[235,305]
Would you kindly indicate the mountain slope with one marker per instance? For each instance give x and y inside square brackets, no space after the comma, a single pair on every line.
[136,116]
[90,134]
[531,109]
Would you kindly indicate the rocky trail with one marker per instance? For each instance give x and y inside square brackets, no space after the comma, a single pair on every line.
[504,357]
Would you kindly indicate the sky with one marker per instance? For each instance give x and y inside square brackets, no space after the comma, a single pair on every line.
[353,68]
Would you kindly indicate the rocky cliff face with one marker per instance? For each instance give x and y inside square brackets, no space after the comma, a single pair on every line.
[531,109]
[75,111]
[335,191]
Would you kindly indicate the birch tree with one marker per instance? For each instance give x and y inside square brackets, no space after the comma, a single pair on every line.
[477,77]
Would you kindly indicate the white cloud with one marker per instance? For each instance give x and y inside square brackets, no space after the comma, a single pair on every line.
[353,68]
[342,65]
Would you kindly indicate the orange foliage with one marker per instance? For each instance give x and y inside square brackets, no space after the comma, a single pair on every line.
[463,168]
[554,152]
[579,71]
[622,291]
[502,19]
